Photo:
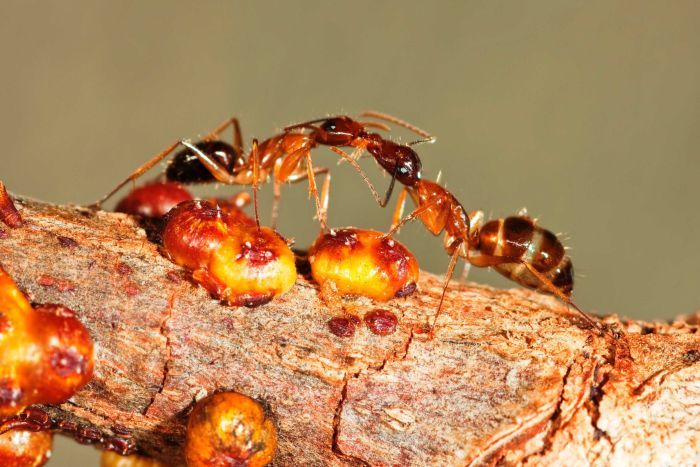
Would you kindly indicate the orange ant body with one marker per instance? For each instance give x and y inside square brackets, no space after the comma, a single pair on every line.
[285,157]
[516,246]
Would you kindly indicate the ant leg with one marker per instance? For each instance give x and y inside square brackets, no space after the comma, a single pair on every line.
[487,261]
[554,290]
[397,121]
[302,174]
[359,170]
[448,277]
[256,179]
[277,194]
[307,124]
[237,134]
[465,272]
[325,195]
[389,190]
[416,212]
[137,173]
[313,191]
[398,210]
[380,126]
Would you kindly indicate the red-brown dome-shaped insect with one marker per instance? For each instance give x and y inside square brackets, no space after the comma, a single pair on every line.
[363,262]
[112,459]
[19,448]
[516,246]
[45,353]
[153,199]
[236,262]
[229,429]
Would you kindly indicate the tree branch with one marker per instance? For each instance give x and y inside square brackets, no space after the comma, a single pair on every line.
[511,376]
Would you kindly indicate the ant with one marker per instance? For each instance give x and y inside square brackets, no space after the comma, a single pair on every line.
[399,160]
[286,157]
[515,246]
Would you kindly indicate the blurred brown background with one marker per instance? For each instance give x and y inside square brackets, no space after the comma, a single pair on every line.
[585,112]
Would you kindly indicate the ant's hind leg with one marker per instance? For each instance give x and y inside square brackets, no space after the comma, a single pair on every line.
[137,173]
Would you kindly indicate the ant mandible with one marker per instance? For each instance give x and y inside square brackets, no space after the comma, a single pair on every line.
[514,246]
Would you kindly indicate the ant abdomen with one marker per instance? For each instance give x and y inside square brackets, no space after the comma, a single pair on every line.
[520,238]
[186,168]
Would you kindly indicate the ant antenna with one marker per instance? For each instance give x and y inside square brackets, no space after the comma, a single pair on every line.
[396,121]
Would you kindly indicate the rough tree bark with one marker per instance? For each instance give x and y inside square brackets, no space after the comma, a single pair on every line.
[511,377]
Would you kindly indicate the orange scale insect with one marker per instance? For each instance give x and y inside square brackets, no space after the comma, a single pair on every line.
[46,355]
[20,448]
[229,429]
[364,262]
[241,264]
[112,459]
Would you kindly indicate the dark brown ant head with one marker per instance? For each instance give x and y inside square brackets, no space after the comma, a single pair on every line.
[401,161]
[186,168]
[339,131]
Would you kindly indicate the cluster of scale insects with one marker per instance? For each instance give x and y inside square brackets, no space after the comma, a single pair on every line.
[242,263]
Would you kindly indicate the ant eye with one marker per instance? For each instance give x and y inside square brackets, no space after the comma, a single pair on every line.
[329,125]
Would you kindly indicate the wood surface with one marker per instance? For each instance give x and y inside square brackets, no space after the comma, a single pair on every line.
[511,377]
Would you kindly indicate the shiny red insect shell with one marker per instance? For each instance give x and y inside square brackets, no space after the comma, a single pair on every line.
[154,199]
[19,448]
[46,355]
[192,231]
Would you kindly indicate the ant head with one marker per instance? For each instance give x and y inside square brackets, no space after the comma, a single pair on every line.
[399,160]
[339,131]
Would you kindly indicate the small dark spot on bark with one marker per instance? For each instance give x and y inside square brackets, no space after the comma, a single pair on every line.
[132,289]
[692,356]
[46,280]
[86,435]
[381,322]
[341,327]
[252,301]
[67,242]
[122,446]
[3,234]
[68,426]
[647,330]
[119,429]
[175,276]
[123,269]
[406,290]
